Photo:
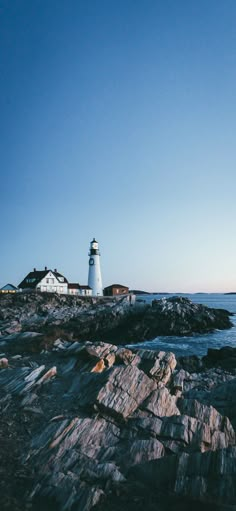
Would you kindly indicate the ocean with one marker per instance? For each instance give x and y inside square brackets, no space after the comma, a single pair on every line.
[197,344]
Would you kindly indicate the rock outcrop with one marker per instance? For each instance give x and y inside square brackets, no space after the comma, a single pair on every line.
[209,477]
[102,427]
[107,319]
[87,424]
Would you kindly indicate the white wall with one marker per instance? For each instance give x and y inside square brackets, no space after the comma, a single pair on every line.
[94,275]
[80,292]
[85,292]
[50,284]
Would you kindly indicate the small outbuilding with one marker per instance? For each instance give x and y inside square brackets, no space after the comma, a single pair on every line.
[85,290]
[77,289]
[115,289]
[9,288]
[73,288]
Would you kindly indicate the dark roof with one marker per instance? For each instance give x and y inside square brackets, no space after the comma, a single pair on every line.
[37,276]
[77,286]
[57,274]
[115,285]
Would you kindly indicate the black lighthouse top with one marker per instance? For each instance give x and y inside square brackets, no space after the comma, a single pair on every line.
[94,250]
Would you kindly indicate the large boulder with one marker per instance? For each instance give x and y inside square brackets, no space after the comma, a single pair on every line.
[116,391]
[126,388]
[159,365]
[224,357]
[208,415]
[161,403]
[221,396]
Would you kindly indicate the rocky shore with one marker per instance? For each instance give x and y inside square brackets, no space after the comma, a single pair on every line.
[91,425]
[96,426]
[114,320]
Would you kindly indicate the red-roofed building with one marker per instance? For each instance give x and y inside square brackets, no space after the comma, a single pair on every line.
[115,289]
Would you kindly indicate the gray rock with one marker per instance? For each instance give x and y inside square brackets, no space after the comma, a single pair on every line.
[221,396]
[145,450]
[68,492]
[104,472]
[195,434]
[89,436]
[110,413]
[210,416]
[33,375]
[209,476]
[178,380]
[126,388]
[157,364]
[148,425]
[127,357]
[161,403]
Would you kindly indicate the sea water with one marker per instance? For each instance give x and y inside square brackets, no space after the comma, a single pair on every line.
[196,344]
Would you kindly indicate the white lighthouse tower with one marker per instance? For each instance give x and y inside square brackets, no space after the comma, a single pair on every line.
[94,275]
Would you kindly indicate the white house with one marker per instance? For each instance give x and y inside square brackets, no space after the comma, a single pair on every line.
[45,281]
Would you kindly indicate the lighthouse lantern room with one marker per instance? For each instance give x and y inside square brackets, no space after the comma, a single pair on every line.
[94,274]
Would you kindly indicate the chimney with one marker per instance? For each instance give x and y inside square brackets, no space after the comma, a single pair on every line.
[45,268]
[55,270]
[34,269]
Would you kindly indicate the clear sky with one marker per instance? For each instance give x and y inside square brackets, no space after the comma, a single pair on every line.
[118,121]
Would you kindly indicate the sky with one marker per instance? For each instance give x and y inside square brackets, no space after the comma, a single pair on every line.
[118,121]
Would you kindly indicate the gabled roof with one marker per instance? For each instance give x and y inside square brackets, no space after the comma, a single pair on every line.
[85,287]
[57,275]
[9,287]
[36,276]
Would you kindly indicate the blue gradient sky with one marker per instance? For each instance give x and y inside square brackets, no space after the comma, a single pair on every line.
[118,120]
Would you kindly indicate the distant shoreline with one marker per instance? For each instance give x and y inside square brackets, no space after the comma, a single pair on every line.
[174,293]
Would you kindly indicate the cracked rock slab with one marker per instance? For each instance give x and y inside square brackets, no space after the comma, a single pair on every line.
[126,388]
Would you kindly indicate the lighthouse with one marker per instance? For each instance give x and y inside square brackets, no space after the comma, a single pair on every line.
[94,275]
